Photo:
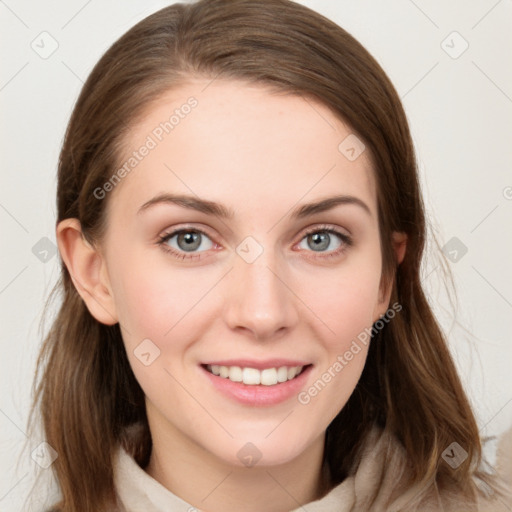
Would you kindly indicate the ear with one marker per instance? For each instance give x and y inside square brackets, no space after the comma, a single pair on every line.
[88,271]
[399,241]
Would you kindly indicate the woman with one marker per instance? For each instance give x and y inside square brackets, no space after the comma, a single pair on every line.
[243,324]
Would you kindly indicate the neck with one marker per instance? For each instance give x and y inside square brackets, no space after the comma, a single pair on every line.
[209,483]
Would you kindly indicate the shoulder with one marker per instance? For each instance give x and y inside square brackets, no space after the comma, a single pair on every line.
[380,483]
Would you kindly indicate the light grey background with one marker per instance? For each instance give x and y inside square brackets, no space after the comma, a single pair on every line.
[460,112]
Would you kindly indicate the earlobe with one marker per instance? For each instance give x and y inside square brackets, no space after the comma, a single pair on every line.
[87,268]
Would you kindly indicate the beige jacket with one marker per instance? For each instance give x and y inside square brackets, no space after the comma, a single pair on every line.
[138,492]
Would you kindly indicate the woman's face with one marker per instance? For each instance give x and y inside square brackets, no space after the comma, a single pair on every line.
[276,265]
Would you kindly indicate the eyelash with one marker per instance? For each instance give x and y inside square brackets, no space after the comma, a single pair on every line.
[346,242]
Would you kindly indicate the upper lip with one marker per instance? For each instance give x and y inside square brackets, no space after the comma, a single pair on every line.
[259,365]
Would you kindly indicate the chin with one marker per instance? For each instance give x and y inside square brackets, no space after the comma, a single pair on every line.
[258,451]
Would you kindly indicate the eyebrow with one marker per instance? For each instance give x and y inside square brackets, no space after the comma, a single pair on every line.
[219,210]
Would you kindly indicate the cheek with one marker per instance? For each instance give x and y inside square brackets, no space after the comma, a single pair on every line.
[343,300]
[149,296]
[156,301]
[142,300]
[163,305]
[346,307]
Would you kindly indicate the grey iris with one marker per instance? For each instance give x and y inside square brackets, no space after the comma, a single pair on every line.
[320,241]
[191,241]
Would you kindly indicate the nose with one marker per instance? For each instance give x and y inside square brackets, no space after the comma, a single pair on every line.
[259,299]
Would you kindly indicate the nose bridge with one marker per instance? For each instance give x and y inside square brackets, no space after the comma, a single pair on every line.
[258,299]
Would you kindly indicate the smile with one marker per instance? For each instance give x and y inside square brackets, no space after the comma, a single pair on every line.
[255,382]
[255,377]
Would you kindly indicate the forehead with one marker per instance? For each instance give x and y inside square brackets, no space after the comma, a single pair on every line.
[242,144]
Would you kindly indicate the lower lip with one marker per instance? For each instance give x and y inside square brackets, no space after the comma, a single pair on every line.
[258,395]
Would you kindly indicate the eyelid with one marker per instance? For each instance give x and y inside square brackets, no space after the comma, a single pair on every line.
[170,232]
[205,230]
[325,227]
[344,235]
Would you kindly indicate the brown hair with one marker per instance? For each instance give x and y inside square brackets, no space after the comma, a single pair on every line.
[88,396]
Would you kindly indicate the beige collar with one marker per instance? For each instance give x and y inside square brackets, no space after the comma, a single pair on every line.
[382,466]
[139,492]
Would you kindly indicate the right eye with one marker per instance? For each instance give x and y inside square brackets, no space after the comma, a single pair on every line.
[183,241]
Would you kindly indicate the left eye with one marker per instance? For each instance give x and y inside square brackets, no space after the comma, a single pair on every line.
[189,241]
[321,241]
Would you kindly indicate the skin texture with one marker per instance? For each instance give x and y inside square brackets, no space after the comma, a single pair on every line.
[261,155]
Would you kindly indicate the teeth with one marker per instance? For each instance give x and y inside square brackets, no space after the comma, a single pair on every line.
[269,377]
[282,374]
[253,376]
[235,373]
[292,372]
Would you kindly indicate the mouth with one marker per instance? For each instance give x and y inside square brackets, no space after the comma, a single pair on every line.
[257,384]
[254,376]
